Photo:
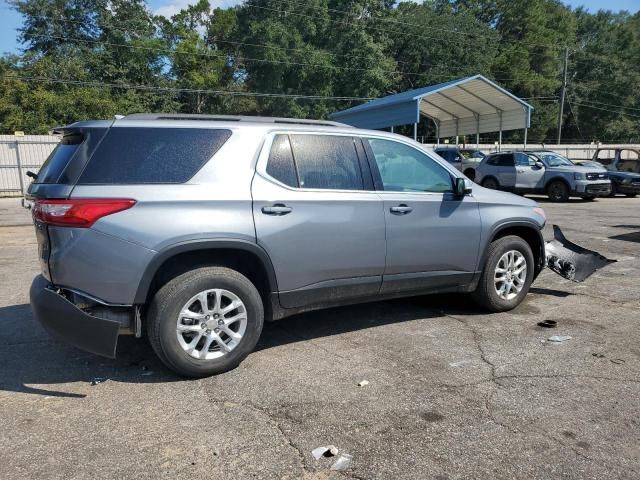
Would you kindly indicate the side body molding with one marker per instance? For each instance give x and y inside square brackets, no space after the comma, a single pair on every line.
[203,244]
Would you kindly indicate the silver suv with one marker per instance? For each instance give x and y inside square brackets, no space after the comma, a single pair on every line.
[200,228]
[542,171]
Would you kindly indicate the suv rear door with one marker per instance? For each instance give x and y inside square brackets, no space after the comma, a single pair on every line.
[433,237]
[318,217]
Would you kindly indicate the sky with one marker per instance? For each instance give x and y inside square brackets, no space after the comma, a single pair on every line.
[10,20]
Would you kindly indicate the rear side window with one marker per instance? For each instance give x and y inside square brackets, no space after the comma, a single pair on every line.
[59,158]
[281,165]
[327,162]
[152,155]
[503,160]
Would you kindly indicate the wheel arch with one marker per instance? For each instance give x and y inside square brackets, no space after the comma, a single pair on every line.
[492,177]
[529,232]
[558,179]
[246,257]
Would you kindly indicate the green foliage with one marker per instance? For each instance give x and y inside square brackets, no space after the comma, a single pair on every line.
[96,58]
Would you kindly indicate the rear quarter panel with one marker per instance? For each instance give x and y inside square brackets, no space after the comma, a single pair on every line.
[215,204]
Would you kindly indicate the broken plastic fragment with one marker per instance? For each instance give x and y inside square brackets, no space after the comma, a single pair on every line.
[342,463]
[328,451]
[559,338]
[570,260]
[98,380]
[363,383]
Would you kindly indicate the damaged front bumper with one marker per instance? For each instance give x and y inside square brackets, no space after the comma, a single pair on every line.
[570,260]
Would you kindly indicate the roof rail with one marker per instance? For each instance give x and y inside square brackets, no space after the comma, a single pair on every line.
[232,118]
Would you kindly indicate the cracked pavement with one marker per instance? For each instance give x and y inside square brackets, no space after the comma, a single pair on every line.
[453,392]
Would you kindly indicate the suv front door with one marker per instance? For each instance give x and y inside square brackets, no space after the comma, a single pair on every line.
[433,237]
[318,217]
[529,177]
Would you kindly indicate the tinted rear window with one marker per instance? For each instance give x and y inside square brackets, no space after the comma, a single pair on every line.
[327,162]
[152,155]
[59,158]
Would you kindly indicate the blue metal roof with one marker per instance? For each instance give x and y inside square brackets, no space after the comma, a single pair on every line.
[452,102]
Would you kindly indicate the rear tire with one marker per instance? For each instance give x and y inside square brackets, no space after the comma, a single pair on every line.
[631,195]
[487,293]
[177,321]
[470,173]
[491,183]
[613,190]
[558,191]
[589,198]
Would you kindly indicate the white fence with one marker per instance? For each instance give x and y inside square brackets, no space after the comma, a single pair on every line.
[17,156]
[20,154]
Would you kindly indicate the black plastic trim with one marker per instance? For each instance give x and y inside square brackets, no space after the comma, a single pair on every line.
[510,224]
[202,244]
[63,319]
[407,282]
[331,291]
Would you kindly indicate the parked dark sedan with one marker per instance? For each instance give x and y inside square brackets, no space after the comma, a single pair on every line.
[626,183]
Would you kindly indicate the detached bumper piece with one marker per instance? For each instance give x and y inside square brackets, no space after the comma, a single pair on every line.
[570,260]
[65,320]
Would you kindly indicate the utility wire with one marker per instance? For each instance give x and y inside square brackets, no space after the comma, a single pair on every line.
[473,36]
[580,104]
[242,59]
[184,90]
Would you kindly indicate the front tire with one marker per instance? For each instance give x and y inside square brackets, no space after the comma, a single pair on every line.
[558,191]
[205,321]
[506,276]
[491,183]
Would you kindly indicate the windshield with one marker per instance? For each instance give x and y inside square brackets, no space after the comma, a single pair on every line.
[555,160]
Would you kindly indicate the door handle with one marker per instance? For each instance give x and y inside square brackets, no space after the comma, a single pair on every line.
[401,209]
[277,209]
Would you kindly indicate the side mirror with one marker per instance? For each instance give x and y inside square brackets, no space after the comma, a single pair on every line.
[460,188]
[539,164]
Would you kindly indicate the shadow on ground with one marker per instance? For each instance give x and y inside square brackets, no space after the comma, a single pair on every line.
[32,360]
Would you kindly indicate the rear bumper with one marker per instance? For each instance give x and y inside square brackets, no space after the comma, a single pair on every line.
[65,320]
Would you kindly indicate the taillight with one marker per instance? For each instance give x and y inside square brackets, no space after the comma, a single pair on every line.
[78,212]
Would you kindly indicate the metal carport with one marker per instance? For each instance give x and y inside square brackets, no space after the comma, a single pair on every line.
[467,106]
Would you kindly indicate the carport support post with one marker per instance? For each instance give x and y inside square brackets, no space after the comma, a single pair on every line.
[500,133]
[415,131]
[526,126]
[391,128]
[19,165]
[477,131]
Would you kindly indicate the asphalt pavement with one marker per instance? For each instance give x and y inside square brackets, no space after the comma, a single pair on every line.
[452,392]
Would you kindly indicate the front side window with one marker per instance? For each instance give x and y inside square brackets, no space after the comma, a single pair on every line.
[326,162]
[405,169]
[524,160]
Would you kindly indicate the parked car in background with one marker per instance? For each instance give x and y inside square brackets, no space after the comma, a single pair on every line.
[464,159]
[200,228]
[542,171]
[621,182]
[623,165]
